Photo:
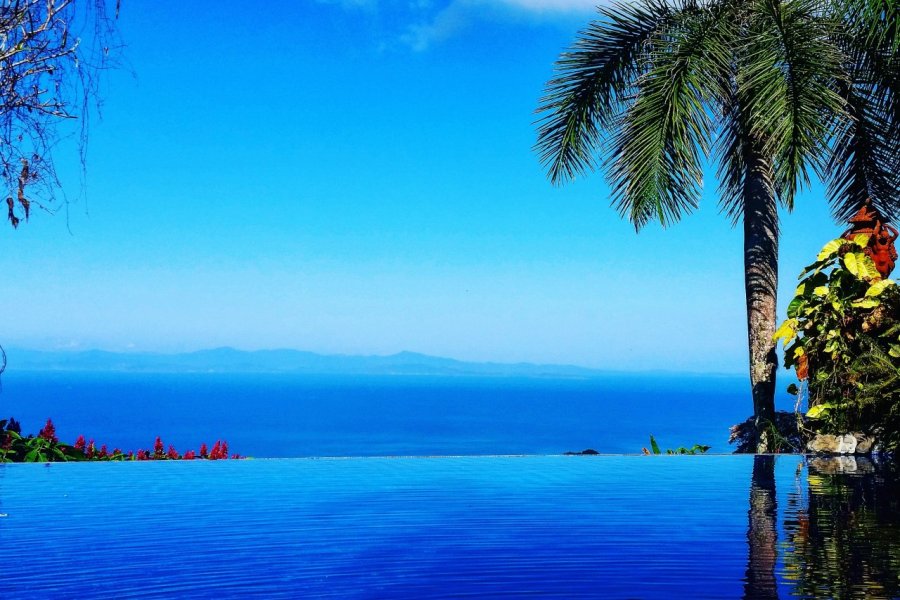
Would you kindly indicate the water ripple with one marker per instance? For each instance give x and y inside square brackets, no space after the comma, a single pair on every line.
[563,527]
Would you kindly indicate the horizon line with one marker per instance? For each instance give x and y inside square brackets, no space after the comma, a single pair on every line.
[596,370]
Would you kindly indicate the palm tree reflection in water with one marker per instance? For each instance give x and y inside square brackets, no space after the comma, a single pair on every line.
[762,534]
[841,531]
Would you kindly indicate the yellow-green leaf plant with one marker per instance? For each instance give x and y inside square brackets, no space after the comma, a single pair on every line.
[843,326]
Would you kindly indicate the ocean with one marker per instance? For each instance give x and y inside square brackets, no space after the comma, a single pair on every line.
[278,415]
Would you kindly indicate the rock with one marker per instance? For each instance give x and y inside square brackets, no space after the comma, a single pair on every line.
[847,444]
[822,443]
[587,452]
[825,443]
[864,443]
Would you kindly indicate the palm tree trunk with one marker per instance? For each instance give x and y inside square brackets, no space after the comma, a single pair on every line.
[761,280]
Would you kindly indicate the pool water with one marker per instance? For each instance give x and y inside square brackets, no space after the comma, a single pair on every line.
[478,527]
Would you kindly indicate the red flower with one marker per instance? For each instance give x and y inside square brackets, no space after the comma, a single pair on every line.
[158,449]
[172,453]
[103,452]
[219,450]
[79,443]
[90,450]
[236,456]
[203,451]
[189,455]
[48,432]
[131,455]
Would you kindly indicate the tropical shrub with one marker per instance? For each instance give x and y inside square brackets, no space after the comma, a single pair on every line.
[45,447]
[654,446]
[783,432]
[842,335]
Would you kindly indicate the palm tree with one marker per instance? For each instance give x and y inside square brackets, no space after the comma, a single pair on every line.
[654,88]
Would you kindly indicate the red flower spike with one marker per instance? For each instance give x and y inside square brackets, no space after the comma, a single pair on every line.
[172,453]
[189,455]
[158,448]
[79,443]
[216,450]
[90,450]
[103,451]
[48,432]
[224,449]
[204,452]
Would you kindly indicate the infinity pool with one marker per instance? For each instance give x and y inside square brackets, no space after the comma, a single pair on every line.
[479,527]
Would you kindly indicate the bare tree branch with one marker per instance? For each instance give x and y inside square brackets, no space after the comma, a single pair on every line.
[52,53]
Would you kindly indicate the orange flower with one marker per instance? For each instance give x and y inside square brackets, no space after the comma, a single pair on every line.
[802,368]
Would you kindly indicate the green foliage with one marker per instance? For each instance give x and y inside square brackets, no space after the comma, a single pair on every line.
[651,87]
[45,447]
[844,323]
[657,88]
[695,449]
[14,447]
[864,149]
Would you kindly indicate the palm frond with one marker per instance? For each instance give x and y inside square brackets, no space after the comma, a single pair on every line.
[865,160]
[863,164]
[788,87]
[732,148]
[869,36]
[873,23]
[655,169]
[594,78]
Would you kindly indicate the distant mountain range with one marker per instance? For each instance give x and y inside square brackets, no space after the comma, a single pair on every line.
[230,360]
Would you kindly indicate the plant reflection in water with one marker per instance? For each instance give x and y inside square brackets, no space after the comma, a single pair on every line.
[841,532]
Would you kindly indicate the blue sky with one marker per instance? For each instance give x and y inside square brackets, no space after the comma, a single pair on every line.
[357,177]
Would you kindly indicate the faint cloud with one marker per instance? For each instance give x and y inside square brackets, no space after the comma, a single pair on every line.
[424,23]
[459,15]
[453,19]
